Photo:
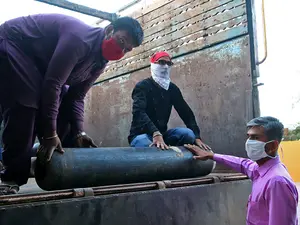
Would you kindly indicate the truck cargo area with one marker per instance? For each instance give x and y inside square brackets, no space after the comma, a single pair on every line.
[215,199]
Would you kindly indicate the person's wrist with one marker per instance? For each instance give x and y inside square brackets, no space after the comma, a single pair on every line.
[48,134]
[49,128]
[210,155]
[79,134]
[156,134]
[198,140]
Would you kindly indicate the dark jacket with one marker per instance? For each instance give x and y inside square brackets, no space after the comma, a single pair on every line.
[152,107]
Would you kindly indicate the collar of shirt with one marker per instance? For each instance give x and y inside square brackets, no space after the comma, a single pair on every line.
[263,169]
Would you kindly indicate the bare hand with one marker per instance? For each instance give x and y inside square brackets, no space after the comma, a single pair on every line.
[48,146]
[159,142]
[200,144]
[85,141]
[199,153]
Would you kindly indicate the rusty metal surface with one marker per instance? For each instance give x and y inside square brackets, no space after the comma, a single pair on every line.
[218,88]
[218,204]
[216,83]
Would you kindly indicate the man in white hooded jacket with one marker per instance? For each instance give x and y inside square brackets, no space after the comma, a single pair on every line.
[153,99]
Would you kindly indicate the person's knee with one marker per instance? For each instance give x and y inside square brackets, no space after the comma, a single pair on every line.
[141,141]
[188,136]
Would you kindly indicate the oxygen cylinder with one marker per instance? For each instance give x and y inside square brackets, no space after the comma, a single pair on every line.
[90,167]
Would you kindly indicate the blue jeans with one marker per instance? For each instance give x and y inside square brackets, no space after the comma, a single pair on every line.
[175,137]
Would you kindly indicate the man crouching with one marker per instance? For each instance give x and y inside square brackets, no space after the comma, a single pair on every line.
[153,99]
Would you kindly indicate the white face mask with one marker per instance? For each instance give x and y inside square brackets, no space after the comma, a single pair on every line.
[256,149]
[161,75]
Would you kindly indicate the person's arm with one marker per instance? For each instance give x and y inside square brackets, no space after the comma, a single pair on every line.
[242,165]
[75,100]
[68,52]
[281,199]
[185,112]
[139,115]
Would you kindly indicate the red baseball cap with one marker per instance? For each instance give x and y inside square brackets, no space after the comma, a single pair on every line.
[158,55]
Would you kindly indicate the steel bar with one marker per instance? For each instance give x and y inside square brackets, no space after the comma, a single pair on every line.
[121,9]
[81,9]
[115,189]
[17,199]
[90,167]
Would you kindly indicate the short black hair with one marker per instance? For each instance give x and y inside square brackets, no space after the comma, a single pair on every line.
[272,126]
[132,26]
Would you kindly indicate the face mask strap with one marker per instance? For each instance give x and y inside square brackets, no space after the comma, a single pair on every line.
[109,35]
[281,149]
[273,157]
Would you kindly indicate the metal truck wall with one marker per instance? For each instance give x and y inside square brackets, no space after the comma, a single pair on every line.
[217,204]
[215,82]
[209,41]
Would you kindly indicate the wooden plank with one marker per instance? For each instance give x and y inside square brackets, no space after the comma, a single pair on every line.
[150,8]
[176,42]
[190,26]
[166,9]
[176,11]
[167,31]
[196,42]
[186,12]
[185,29]
[197,45]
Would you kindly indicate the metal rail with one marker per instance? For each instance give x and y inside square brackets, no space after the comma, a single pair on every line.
[81,9]
[265,35]
[114,189]
[121,9]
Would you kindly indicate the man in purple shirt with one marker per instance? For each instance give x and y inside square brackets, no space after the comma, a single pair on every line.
[274,196]
[39,55]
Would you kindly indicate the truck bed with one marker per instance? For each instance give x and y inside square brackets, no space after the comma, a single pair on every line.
[31,192]
[218,199]
[32,188]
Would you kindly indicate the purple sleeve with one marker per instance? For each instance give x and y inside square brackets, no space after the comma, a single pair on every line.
[68,52]
[282,201]
[242,165]
[75,97]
